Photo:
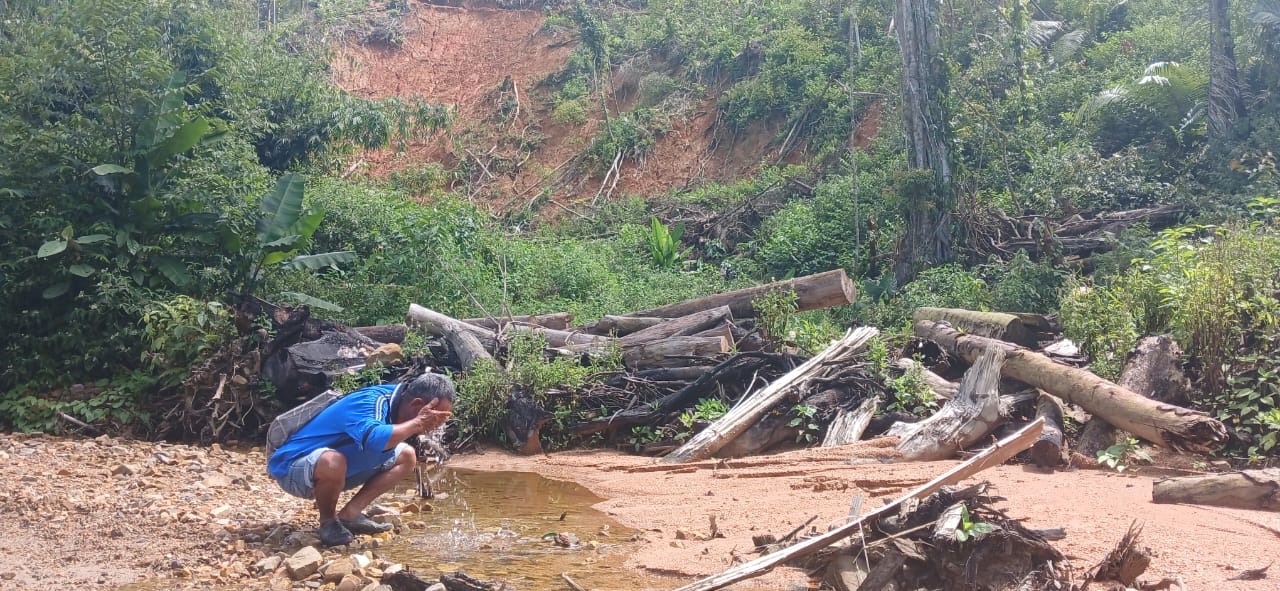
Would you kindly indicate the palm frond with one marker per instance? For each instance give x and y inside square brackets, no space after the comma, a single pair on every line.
[1102,100]
[1042,33]
[1266,14]
[1067,46]
[1160,68]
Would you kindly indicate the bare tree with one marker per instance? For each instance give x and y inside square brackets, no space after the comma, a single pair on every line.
[1226,105]
[926,203]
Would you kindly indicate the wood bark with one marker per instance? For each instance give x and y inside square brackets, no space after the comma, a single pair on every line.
[1047,450]
[620,326]
[992,456]
[1152,370]
[679,327]
[962,421]
[996,325]
[555,320]
[755,405]
[389,333]
[577,341]
[674,352]
[724,329]
[849,425]
[465,346]
[813,292]
[1156,217]
[1163,424]
[943,389]
[1248,489]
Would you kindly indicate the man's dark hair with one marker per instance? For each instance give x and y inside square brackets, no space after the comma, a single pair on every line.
[426,387]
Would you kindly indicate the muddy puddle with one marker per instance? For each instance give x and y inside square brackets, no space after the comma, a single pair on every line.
[503,525]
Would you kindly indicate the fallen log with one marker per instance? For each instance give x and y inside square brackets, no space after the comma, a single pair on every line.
[1151,370]
[724,329]
[1156,217]
[755,405]
[465,346]
[1163,424]
[554,321]
[992,456]
[675,351]
[388,333]
[849,425]
[1072,246]
[996,325]
[679,327]
[962,421]
[1047,450]
[620,326]
[438,325]
[1247,489]
[555,339]
[813,292]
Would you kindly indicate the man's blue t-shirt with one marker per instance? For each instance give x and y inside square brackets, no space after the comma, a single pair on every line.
[358,426]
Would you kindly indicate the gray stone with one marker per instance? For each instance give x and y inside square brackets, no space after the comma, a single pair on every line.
[268,564]
[349,583]
[303,563]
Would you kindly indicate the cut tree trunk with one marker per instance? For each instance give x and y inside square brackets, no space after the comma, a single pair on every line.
[849,425]
[996,325]
[992,456]
[962,421]
[620,326]
[555,339]
[465,346]
[1152,370]
[555,321]
[389,333]
[1249,489]
[438,325]
[755,405]
[1047,451]
[1163,424]
[675,351]
[724,329]
[679,327]
[942,388]
[813,292]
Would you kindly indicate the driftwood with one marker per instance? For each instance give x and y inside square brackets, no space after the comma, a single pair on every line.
[1163,424]
[962,421]
[996,325]
[943,389]
[554,321]
[992,456]
[1248,489]
[755,405]
[675,351]
[389,333]
[621,325]
[679,327]
[1151,370]
[849,425]
[1047,451]
[813,292]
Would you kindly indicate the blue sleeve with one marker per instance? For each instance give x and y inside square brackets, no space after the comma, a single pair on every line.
[363,426]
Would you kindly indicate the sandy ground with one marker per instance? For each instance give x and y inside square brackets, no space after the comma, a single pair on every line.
[101,513]
[774,494]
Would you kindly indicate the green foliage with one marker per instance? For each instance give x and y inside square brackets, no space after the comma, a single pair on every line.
[706,410]
[971,529]
[908,392]
[370,375]
[1023,285]
[774,310]
[664,244]
[181,333]
[1118,456]
[805,421]
[629,136]
[947,286]
[1166,103]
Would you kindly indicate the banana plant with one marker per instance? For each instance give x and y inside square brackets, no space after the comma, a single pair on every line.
[664,244]
[283,229]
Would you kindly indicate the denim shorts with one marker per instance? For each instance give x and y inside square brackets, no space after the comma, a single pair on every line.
[299,480]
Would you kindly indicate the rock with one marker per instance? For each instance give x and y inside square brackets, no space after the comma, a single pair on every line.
[337,570]
[220,511]
[299,539]
[303,563]
[268,564]
[8,576]
[386,355]
[684,534]
[376,510]
[361,561]
[349,583]
[216,480]
[124,470]
[437,587]
[393,519]
[393,569]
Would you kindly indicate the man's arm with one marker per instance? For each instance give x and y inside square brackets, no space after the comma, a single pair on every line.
[427,420]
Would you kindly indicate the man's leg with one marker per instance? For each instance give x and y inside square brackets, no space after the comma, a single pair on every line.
[330,478]
[380,483]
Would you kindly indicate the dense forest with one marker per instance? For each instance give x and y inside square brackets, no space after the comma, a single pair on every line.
[163,161]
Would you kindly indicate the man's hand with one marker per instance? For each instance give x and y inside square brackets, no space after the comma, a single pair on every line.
[429,419]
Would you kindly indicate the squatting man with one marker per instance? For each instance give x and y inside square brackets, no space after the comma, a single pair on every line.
[359,441]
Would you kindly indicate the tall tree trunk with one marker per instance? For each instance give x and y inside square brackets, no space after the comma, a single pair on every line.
[926,198]
[1226,106]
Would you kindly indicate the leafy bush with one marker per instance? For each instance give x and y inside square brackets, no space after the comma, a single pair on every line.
[1023,285]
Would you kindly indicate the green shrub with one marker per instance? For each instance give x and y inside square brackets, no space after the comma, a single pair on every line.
[570,112]
[1023,285]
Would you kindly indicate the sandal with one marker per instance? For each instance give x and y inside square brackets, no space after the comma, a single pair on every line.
[333,533]
[365,526]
